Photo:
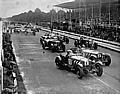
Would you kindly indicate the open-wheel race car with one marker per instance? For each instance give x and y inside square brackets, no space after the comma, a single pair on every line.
[74,61]
[54,42]
[94,55]
[87,43]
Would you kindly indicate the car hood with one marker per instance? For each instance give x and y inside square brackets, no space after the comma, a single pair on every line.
[52,40]
[77,57]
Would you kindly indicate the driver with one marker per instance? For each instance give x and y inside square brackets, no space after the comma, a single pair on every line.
[93,58]
[69,53]
[91,43]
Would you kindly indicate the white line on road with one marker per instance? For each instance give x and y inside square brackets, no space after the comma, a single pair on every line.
[107,84]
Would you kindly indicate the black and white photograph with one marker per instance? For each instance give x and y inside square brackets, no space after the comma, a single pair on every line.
[60,46]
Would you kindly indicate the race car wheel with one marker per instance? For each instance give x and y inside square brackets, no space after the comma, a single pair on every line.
[49,45]
[43,45]
[54,49]
[95,46]
[79,72]
[57,62]
[67,40]
[34,33]
[41,41]
[99,69]
[108,59]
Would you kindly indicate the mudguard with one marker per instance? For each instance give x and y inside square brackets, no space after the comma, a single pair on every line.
[99,62]
[108,57]
[59,58]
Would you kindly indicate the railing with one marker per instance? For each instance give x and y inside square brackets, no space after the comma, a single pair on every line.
[103,43]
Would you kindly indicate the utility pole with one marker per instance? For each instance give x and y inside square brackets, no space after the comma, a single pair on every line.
[109,12]
[79,11]
[85,12]
[92,11]
[100,11]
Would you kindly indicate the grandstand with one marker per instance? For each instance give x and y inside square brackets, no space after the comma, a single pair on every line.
[96,18]
[93,9]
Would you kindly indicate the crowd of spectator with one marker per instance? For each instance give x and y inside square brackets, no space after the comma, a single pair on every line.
[105,29]
[11,71]
[109,33]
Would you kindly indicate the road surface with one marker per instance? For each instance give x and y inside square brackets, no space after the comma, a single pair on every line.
[42,77]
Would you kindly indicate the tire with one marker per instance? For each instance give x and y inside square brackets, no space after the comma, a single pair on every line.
[79,72]
[57,62]
[41,41]
[63,48]
[53,50]
[67,40]
[99,69]
[43,45]
[34,34]
[108,61]
[95,46]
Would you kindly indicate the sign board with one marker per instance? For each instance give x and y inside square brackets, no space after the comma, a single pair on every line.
[0,43]
[1,69]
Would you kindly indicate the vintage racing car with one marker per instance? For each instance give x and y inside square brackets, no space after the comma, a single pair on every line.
[73,60]
[105,58]
[87,43]
[30,30]
[26,30]
[53,42]
[17,30]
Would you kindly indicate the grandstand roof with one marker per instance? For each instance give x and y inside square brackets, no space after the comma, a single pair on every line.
[82,3]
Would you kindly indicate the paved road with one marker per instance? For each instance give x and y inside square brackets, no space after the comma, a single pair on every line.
[42,77]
